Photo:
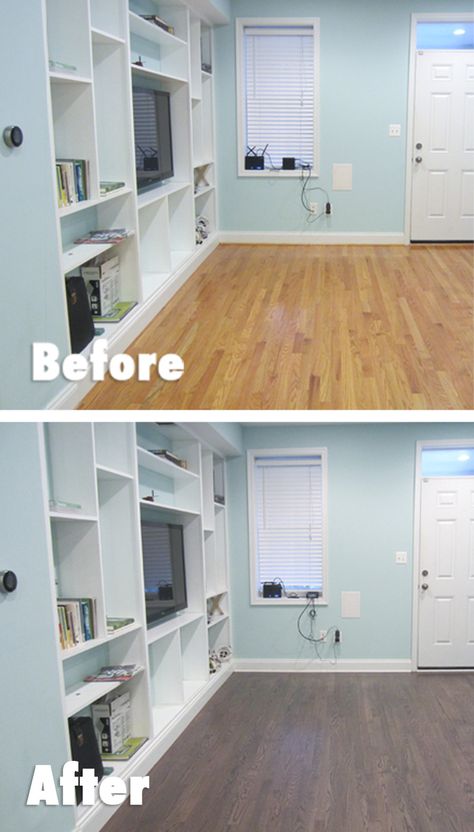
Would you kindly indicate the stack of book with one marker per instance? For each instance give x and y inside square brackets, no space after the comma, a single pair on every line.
[165,454]
[76,619]
[114,624]
[158,21]
[72,178]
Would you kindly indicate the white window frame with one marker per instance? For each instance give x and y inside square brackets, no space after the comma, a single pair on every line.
[240,24]
[255,599]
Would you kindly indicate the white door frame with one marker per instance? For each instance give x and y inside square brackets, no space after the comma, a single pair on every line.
[419,17]
[421,445]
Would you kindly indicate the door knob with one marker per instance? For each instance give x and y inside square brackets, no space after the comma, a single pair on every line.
[425,573]
[424,587]
[8,581]
[418,159]
[13,136]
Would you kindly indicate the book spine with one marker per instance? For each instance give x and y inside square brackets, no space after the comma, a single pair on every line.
[79,177]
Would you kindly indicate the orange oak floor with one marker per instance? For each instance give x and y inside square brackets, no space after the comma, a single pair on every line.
[314,327]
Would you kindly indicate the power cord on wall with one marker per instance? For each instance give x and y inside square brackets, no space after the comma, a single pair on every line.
[311,611]
[306,189]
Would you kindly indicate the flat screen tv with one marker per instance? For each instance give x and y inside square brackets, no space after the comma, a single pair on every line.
[163,567]
[153,141]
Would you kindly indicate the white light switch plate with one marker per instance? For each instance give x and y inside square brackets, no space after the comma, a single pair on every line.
[401,557]
[394,129]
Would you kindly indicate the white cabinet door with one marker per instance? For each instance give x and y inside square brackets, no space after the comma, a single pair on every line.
[33,294]
[446,579]
[443,151]
[31,716]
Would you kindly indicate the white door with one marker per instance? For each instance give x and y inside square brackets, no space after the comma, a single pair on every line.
[443,146]
[446,579]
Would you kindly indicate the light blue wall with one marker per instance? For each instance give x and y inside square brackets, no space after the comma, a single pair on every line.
[371,498]
[31,716]
[364,84]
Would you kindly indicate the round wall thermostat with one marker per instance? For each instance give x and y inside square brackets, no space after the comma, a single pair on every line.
[8,581]
[13,136]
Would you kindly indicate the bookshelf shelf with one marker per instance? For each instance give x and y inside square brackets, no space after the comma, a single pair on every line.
[104,473]
[77,255]
[157,506]
[83,695]
[158,74]
[172,625]
[150,31]
[217,620]
[164,466]
[71,516]
[68,78]
[105,38]
[150,197]
[203,191]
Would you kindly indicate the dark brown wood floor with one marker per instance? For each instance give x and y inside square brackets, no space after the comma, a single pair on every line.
[313,327]
[319,753]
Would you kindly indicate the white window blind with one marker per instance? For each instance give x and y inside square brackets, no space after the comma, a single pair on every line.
[279,91]
[289,522]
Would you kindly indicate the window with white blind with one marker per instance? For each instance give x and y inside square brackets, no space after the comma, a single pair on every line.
[277,92]
[287,521]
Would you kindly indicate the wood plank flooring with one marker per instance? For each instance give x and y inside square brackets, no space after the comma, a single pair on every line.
[314,327]
[319,753]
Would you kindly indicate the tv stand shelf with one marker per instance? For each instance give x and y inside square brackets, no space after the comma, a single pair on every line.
[171,625]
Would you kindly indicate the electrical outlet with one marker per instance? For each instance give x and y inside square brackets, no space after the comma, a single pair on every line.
[394,130]
[323,635]
[314,208]
[401,557]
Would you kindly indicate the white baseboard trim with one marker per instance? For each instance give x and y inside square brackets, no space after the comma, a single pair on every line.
[135,323]
[315,666]
[329,238]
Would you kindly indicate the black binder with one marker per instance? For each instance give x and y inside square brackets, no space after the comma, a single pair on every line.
[81,325]
[84,748]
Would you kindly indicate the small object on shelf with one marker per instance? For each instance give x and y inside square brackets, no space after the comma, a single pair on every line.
[206,68]
[64,506]
[118,313]
[139,62]
[59,66]
[214,662]
[112,721]
[115,673]
[150,498]
[130,747]
[219,498]
[202,229]
[176,460]
[214,607]
[109,236]
[224,653]
[103,278]
[108,187]
[114,624]
[158,21]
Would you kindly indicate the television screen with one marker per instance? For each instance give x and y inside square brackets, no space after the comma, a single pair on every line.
[163,567]
[153,145]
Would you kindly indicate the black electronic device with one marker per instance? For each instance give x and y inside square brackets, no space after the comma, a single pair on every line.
[163,567]
[84,748]
[254,159]
[81,325]
[153,137]
[288,163]
[272,589]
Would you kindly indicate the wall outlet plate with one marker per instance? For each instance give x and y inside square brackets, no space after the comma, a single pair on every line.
[401,557]
[394,130]
[323,634]
[314,207]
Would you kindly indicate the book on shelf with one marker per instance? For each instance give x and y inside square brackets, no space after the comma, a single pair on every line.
[130,747]
[76,621]
[108,187]
[165,454]
[158,21]
[114,624]
[115,673]
[107,236]
[72,179]
[117,314]
[102,276]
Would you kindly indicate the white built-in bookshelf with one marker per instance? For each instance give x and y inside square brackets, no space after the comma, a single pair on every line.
[105,471]
[91,119]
